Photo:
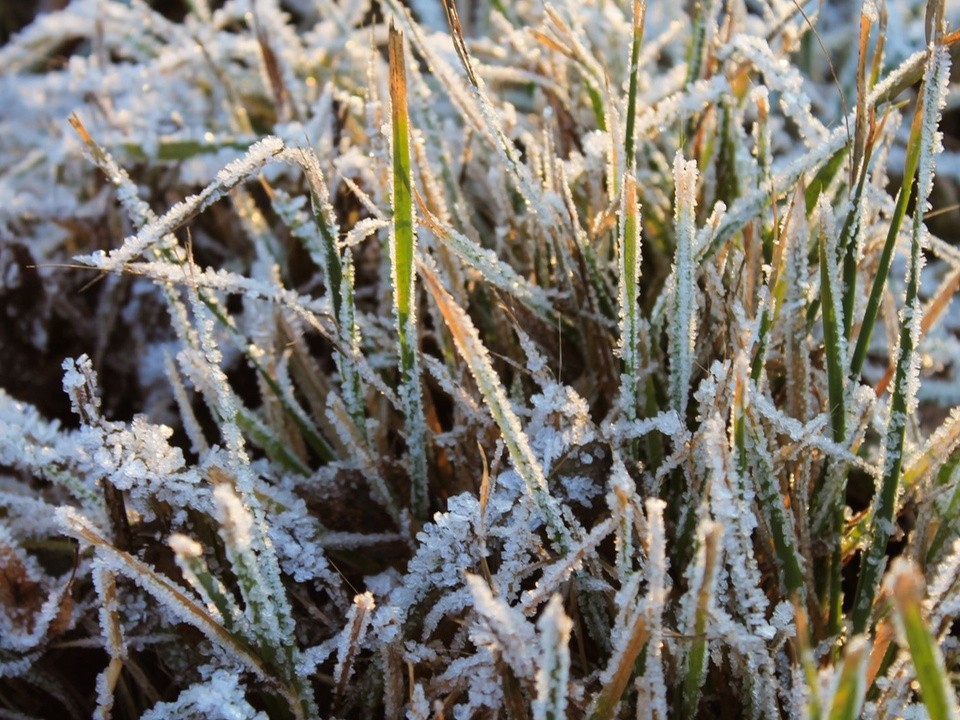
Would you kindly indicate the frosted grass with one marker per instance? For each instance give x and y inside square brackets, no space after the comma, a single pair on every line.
[639,431]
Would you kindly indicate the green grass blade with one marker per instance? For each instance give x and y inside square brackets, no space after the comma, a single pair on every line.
[778,518]
[832,491]
[639,19]
[189,558]
[948,517]
[402,246]
[903,401]
[832,322]
[683,323]
[821,181]
[260,436]
[936,690]
[886,255]
[629,256]
[698,39]
[728,177]
[849,247]
[696,661]
[849,693]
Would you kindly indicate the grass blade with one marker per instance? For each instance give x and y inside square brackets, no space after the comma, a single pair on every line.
[491,268]
[554,627]
[181,605]
[708,565]
[832,324]
[402,247]
[606,703]
[886,255]
[629,255]
[778,518]
[851,686]
[471,348]
[639,19]
[833,487]
[906,586]
[683,328]
[903,402]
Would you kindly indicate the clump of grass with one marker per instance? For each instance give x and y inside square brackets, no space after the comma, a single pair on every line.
[580,373]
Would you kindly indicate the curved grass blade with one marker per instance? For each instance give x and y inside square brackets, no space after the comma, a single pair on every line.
[886,255]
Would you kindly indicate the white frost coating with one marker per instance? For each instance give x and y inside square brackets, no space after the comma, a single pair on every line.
[236,521]
[810,434]
[234,173]
[938,591]
[473,350]
[352,635]
[491,268]
[21,634]
[468,404]
[937,79]
[141,65]
[257,156]
[750,205]
[731,501]
[667,422]
[184,546]
[826,222]
[221,697]
[652,685]
[168,595]
[559,423]
[683,320]
[781,76]
[681,104]
[509,631]
[561,571]
[620,501]
[554,672]
[706,234]
[696,573]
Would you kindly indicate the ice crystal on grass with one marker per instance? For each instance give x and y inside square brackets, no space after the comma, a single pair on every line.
[219,698]
[555,628]
[683,328]
[509,631]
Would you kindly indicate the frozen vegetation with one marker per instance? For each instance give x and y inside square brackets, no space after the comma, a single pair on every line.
[585,358]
